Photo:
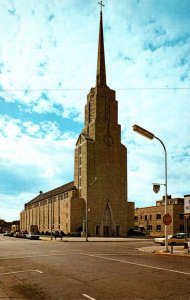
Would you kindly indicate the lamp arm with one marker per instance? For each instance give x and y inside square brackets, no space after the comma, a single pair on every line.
[166,177]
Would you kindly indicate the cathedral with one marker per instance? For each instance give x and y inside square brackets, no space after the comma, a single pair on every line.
[95,203]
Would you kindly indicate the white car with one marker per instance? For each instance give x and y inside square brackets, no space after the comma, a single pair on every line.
[161,240]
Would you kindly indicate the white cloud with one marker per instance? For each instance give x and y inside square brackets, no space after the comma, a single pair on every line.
[12,205]
[40,149]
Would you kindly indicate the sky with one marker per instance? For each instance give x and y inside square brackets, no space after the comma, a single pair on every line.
[48,59]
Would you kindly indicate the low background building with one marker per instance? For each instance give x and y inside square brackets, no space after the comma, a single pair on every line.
[15,227]
[149,220]
[187,213]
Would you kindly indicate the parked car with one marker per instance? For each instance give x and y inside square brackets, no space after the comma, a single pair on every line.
[161,240]
[17,234]
[9,233]
[20,235]
[32,236]
[176,239]
[6,233]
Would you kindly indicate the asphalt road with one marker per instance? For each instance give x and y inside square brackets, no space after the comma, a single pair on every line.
[89,270]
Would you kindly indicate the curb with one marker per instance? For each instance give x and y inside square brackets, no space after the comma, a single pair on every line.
[162,252]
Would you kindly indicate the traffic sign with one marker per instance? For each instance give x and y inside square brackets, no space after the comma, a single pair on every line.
[167,219]
[156,187]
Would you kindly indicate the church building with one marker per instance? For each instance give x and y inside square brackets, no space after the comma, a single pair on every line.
[96,200]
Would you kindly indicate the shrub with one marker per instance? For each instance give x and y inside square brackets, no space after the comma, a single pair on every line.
[74,234]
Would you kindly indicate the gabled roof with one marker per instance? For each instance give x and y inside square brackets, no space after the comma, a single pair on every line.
[61,189]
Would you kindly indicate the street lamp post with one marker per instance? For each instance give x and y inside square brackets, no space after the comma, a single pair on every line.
[151,136]
[86,227]
[51,221]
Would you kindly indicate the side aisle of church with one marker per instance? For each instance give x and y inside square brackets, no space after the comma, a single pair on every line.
[99,190]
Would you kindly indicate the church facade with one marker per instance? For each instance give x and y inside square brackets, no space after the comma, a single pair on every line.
[96,200]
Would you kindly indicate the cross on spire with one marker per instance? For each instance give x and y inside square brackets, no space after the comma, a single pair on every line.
[101,5]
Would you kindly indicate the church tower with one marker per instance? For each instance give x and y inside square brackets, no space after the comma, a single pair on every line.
[101,159]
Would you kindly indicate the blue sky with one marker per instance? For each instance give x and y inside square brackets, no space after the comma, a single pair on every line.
[47,66]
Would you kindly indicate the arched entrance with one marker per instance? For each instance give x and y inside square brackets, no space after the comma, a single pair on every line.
[107,221]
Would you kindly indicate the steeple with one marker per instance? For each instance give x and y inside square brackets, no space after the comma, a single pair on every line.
[101,68]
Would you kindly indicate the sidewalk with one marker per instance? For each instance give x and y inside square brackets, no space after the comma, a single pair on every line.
[177,250]
[91,239]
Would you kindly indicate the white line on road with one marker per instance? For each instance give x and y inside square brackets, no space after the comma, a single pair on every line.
[36,256]
[16,272]
[136,264]
[85,295]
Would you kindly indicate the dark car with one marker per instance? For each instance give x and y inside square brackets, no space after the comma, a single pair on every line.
[32,236]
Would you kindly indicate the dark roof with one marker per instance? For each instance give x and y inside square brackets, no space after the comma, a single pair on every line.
[61,189]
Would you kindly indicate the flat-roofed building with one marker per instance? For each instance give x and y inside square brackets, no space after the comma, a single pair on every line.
[150,219]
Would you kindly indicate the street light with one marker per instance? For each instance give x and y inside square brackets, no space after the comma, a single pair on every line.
[151,136]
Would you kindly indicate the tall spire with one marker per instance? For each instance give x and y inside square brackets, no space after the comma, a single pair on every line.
[101,68]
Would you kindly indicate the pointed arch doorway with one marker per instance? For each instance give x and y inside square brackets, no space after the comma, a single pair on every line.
[107,221]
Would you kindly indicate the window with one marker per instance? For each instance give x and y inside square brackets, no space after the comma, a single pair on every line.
[136,218]
[150,227]
[43,213]
[52,213]
[145,217]
[141,217]
[158,216]
[89,112]
[158,227]
[65,195]
[59,212]
[48,216]
[60,197]
[117,230]
[97,230]
[150,217]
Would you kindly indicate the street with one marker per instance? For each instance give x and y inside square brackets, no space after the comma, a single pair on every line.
[89,270]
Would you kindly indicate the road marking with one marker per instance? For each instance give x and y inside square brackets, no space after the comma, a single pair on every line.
[16,272]
[85,295]
[33,256]
[136,264]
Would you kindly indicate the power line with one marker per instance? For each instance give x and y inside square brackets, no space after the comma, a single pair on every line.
[85,89]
